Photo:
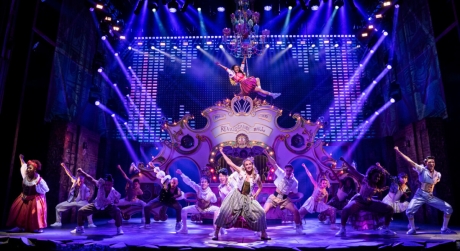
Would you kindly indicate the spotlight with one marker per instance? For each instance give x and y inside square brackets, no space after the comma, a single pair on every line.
[97,102]
[267,7]
[291,3]
[338,3]
[100,69]
[125,123]
[392,100]
[113,115]
[153,6]
[173,6]
[103,37]
[389,67]
[313,4]
[220,9]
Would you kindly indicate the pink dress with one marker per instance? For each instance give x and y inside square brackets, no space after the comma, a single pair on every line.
[247,84]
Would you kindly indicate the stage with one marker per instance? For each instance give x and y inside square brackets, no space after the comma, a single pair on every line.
[161,235]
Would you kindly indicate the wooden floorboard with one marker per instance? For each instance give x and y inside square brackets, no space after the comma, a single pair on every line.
[317,236]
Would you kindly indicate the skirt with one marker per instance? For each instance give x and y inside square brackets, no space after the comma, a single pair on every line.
[397,206]
[315,207]
[29,214]
[237,205]
[248,85]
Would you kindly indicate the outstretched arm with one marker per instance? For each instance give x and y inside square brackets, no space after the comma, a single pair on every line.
[405,157]
[67,171]
[87,176]
[21,158]
[124,175]
[353,170]
[313,181]
[229,161]
[189,181]
[271,159]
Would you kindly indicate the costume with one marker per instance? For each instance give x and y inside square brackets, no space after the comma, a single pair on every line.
[240,203]
[78,197]
[316,203]
[203,204]
[28,211]
[285,185]
[102,203]
[341,199]
[398,199]
[165,199]
[247,84]
[424,195]
[131,198]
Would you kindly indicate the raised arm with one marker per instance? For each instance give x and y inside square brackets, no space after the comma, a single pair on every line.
[87,176]
[271,159]
[67,171]
[405,157]
[313,181]
[21,158]
[124,175]
[229,161]
[353,170]
[189,181]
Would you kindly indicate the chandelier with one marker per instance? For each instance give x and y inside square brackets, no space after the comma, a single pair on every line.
[243,40]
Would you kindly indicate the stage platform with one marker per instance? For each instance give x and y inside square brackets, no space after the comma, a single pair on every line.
[162,236]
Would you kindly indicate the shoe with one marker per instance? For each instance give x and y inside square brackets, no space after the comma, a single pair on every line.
[448,231]
[120,231]
[411,231]
[111,221]
[56,224]
[178,226]
[15,230]
[38,231]
[275,95]
[183,231]
[91,225]
[215,238]
[223,231]
[341,233]
[265,238]
[78,230]
[145,226]
[386,231]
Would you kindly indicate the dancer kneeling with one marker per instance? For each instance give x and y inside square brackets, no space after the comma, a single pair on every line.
[241,202]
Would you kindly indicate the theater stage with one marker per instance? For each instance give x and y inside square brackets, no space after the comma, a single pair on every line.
[317,236]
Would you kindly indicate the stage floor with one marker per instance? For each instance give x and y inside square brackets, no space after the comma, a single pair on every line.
[317,236]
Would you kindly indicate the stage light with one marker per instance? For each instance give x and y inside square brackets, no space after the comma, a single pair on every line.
[291,3]
[100,69]
[125,123]
[173,6]
[99,6]
[153,6]
[397,6]
[392,100]
[220,9]
[113,115]
[389,67]
[378,16]
[387,3]
[267,7]
[313,4]
[97,102]
[103,37]
[130,48]
[122,37]
[338,3]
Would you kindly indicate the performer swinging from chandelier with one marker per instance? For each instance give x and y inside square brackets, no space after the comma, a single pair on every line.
[247,84]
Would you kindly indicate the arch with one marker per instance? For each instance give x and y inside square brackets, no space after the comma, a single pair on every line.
[305,185]
[189,167]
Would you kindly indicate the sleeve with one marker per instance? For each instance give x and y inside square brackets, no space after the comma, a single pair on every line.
[279,172]
[211,197]
[419,168]
[87,193]
[439,177]
[23,170]
[191,183]
[295,187]
[42,187]
[100,182]
[116,194]
[242,66]
[231,73]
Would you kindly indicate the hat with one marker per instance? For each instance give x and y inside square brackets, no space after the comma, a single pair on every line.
[161,175]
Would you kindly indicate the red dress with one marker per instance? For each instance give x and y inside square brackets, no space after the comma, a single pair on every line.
[28,211]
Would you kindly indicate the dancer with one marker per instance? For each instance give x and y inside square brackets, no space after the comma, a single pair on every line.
[168,197]
[28,211]
[133,189]
[204,198]
[247,84]
[79,195]
[399,194]
[105,201]
[316,203]
[286,184]
[225,187]
[428,178]
[347,189]
[370,184]
[241,201]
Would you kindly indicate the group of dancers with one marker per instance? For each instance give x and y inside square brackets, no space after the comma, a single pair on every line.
[239,205]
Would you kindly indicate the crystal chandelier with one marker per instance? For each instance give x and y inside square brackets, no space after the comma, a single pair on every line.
[245,40]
